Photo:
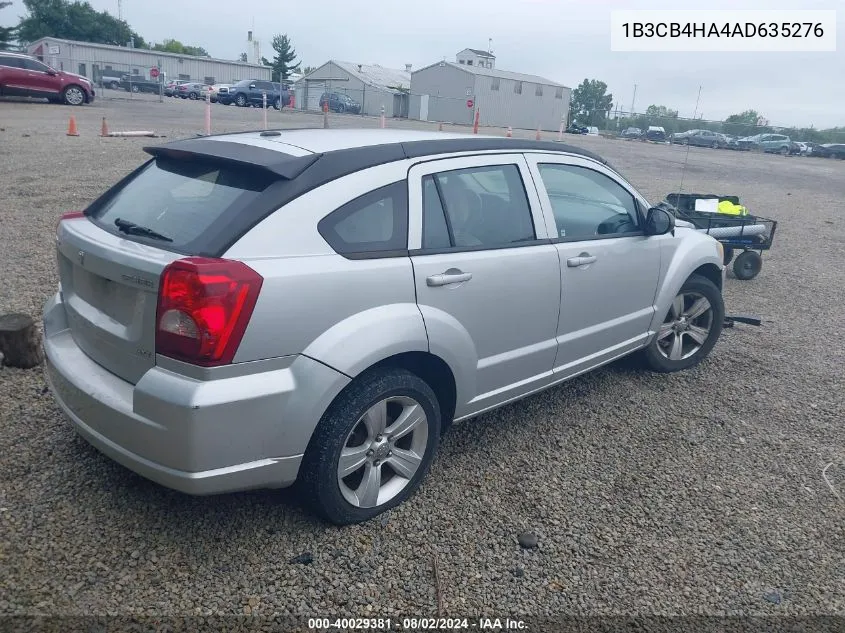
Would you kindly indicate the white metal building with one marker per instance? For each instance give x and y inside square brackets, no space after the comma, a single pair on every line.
[476,57]
[451,93]
[371,85]
[96,60]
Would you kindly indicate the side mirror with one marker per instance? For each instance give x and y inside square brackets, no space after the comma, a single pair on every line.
[659,222]
[52,72]
[252,86]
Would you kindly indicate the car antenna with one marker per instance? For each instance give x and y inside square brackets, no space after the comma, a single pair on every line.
[686,157]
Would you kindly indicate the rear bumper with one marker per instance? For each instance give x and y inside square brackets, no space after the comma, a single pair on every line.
[199,436]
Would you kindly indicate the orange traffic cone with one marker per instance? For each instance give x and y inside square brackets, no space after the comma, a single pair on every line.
[537,137]
[105,129]
[71,127]
[509,133]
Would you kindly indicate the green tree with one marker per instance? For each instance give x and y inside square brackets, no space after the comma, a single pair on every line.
[175,46]
[7,33]
[661,112]
[243,58]
[283,61]
[748,117]
[590,103]
[308,69]
[746,123]
[74,21]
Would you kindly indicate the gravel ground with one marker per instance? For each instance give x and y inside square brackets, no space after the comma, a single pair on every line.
[695,493]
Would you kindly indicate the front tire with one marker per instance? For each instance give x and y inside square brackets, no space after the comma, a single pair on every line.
[372,447]
[136,88]
[240,101]
[73,96]
[690,328]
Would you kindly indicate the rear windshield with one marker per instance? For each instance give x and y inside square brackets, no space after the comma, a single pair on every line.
[179,199]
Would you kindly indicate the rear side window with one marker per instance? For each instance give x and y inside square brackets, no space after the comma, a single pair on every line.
[180,200]
[373,224]
[11,62]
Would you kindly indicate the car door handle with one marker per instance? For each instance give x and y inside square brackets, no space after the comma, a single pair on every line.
[581,260]
[449,277]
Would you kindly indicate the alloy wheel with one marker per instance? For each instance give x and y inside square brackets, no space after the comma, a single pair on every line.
[74,96]
[383,452]
[686,327]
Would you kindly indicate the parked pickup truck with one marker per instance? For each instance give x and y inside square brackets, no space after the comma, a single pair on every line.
[110,81]
[136,83]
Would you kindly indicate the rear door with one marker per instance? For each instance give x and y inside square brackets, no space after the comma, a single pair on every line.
[487,281]
[609,268]
[13,77]
[109,279]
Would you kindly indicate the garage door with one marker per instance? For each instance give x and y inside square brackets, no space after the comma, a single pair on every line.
[315,90]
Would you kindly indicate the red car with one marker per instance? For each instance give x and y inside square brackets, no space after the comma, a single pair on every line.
[25,76]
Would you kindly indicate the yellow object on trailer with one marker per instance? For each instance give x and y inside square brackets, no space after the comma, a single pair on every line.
[727,207]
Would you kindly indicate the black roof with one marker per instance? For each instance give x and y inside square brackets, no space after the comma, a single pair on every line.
[340,162]
[297,175]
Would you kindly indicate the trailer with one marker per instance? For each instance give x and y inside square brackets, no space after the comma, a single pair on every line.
[752,234]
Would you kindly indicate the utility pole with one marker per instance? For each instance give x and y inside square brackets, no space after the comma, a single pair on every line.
[633,99]
[120,10]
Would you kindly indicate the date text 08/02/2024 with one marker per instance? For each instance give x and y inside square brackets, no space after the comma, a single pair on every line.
[416,624]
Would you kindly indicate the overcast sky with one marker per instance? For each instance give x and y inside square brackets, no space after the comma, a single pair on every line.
[563,40]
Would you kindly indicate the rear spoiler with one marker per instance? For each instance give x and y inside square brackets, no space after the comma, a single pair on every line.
[277,163]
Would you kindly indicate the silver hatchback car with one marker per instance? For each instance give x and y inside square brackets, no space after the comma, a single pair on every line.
[260,309]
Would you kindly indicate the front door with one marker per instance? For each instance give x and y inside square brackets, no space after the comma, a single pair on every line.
[487,280]
[609,268]
[41,78]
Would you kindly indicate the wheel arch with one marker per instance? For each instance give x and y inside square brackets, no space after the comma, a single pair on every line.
[435,372]
[697,257]
[710,272]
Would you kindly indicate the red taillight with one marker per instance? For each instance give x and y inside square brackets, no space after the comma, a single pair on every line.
[71,215]
[204,306]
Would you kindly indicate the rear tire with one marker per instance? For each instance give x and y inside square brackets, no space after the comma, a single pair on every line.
[277,104]
[359,426]
[747,265]
[686,337]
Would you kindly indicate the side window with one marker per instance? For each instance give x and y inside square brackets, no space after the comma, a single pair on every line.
[376,222]
[587,204]
[476,207]
[31,64]
[435,231]
[11,62]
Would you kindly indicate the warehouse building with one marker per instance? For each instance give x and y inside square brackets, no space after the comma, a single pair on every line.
[97,60]
[370,85]
[452,92]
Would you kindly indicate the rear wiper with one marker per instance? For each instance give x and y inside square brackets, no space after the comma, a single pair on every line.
[130,228]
